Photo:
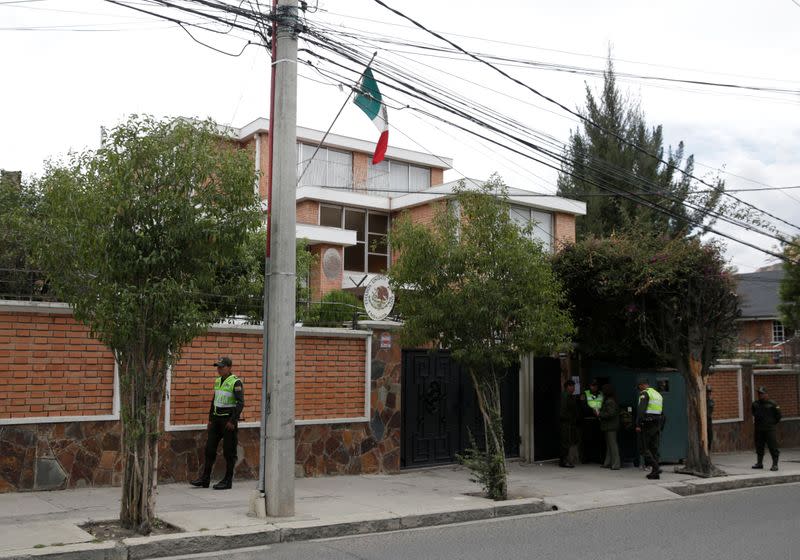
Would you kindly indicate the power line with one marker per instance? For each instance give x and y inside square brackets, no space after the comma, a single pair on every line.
[564,107]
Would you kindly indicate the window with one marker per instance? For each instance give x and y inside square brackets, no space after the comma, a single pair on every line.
[397,177]
[329,168]
[778,334]
[371,251]
[542,223]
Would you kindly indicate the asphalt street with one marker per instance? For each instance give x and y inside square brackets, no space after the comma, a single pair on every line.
[741,524]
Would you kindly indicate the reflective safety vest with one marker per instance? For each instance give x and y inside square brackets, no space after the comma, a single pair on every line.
[655,404]
[594,401]
[223,395]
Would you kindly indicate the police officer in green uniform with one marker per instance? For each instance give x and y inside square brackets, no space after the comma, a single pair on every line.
[568,423]
[766,415]
[223,418]
[649,416]
[592,437]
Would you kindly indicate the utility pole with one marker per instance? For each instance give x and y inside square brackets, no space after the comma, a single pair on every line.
[279,439]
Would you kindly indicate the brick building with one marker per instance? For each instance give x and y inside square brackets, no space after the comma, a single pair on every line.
[346,205]
[761,336]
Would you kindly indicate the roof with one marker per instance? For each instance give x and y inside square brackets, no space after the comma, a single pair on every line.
[261,125]
[759,294]
[377,201]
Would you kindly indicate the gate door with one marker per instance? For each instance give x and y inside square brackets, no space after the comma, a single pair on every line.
[439,409]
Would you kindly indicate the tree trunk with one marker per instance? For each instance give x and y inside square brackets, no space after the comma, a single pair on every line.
[142,392]
[698,460]
[487,390]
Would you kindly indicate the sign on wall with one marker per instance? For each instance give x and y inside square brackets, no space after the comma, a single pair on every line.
[378,298]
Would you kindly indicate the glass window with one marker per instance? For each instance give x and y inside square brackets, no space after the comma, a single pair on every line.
[419,178]
[378,223]
[329,168]
[355,220]
[378,264]
[378,176]
[330,216]
[354,257]
[340,169]
[398,173]
[778,334]
[542,223]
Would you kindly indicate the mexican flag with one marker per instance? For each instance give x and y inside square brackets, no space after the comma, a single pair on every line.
[369,100]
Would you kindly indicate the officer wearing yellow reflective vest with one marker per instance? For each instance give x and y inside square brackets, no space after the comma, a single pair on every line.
[649,420]
[223,418]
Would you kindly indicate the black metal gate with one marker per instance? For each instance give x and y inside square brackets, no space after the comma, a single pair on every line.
[440,410]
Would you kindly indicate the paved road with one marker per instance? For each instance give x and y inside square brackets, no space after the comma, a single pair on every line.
[743,524]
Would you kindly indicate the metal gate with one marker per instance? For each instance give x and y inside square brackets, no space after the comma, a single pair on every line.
[440,411]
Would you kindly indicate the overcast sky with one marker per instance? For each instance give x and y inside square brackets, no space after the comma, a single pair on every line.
[72,66]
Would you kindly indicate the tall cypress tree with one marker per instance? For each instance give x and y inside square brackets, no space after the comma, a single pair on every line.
[616,150]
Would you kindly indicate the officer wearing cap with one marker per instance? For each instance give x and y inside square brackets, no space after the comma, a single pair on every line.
[766,415]
[223,418]
[649,416]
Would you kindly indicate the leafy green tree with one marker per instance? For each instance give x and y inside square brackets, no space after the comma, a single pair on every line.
[474,283]
[618,154]
[790,286]
[134,236]
[245,279]
[677,297]
[18,201]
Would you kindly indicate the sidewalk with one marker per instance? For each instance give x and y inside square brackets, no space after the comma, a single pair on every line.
[45,524]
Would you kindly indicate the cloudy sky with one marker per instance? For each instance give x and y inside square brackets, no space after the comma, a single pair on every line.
[72,66]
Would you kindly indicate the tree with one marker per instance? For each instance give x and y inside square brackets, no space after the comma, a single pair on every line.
[18,202]
[623,154]
[134,236]
[479,286]
[790,286]
[675,296]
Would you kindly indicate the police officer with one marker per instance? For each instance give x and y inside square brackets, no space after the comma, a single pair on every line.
[223,418]
[568,417]
[592,399]
[649,416]
[766,415]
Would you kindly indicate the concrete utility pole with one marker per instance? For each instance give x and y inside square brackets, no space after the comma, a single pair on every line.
[279,468]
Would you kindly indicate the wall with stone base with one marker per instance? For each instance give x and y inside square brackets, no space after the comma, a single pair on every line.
[60,455]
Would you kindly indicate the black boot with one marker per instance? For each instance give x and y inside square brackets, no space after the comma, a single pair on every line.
[759,463]
[224,484]
[202,482]
[655,473]
[774,466]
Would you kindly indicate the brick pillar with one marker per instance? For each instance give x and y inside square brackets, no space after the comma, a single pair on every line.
[563,230]
[327,271]
[437,176]
[360,169]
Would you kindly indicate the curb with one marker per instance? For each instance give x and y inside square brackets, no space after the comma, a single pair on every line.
[159,546]
[705,486]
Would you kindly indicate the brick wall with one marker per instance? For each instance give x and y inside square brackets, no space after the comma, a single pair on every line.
[361,163]
[327,389]
[53,368]
[192,377]
[336,434]
[437,176]
[308,212]
[782,388]
[563,230]
[725,385]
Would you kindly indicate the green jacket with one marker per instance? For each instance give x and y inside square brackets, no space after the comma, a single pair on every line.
[609,416]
